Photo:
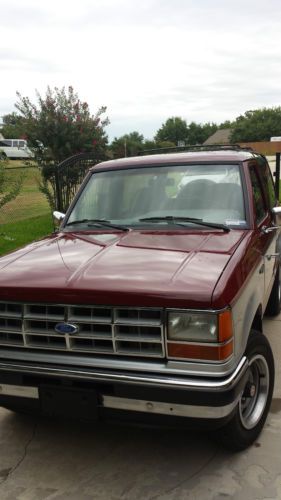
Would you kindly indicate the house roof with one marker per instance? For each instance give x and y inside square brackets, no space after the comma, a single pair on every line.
[221,136]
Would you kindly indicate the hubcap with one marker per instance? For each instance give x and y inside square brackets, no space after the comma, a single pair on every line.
[253,400]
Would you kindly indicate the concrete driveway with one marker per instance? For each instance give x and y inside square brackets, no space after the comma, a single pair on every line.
[41,459]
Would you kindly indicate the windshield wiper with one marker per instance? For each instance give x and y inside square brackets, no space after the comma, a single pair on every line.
[178,221]
[99,223]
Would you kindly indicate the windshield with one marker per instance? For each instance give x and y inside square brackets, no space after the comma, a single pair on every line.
[210,193]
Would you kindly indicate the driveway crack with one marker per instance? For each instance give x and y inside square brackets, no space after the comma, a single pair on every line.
[204,466]
[12,470]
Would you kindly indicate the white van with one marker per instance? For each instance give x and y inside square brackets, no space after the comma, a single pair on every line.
[14,149]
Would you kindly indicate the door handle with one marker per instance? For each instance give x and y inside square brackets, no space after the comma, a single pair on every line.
[269,229]
[273,255]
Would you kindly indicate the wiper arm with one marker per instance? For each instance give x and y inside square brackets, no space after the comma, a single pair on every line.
[169,218]
[81,221]
[98,222]
[179,221]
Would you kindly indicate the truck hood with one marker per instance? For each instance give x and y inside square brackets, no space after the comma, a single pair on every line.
[139,268]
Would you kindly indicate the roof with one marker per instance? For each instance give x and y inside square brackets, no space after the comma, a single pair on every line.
[221,156]
[221,136]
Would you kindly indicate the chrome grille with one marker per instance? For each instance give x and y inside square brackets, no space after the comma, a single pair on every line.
[108,330]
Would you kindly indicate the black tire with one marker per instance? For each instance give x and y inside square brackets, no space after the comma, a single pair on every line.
[274,303]
[251,412]
[3,156]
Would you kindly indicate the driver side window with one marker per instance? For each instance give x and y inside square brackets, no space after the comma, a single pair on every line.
[257,196]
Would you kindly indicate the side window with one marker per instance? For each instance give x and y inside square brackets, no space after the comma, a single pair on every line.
[268,183]
[5,143]
[257,196]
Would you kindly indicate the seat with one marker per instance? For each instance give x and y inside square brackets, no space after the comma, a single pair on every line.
[150,198]
[196,195]
[228,196]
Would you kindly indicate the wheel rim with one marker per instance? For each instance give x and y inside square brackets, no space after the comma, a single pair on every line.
[254,397]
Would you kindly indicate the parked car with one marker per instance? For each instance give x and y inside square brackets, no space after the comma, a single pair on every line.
[147,303]
[14,149]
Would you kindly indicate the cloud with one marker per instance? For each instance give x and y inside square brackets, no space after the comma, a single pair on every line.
[146,61]
[14,60]
[16,14]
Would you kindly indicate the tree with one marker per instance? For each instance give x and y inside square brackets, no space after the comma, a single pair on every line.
[173,130]
[198,133]
[157,145]
[9,186]
[13,126]
[226,124]
[57,126]
[127,145]
[60,125]
[257,125]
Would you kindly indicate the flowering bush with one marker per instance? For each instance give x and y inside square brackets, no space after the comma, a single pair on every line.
[57,127]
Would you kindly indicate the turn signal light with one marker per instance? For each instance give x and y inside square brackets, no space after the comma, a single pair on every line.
[225,326]
[202,352]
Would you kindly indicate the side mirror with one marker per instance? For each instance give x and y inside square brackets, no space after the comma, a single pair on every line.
[58,217]
[277,214]
[276,210]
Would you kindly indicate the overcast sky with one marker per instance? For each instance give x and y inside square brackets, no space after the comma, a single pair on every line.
[204,60]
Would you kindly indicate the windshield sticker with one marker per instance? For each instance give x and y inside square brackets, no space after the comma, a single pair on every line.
[235,222]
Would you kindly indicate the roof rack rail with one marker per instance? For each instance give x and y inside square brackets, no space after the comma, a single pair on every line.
[178,149]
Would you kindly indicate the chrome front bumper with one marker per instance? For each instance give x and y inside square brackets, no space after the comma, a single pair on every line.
[154,382]
[176,410]
[131,378]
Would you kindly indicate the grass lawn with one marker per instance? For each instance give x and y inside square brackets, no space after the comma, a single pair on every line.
[30,202]
[27,217]
[16,234]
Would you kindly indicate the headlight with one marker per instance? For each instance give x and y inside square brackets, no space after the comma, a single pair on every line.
[202,336]
[194,327]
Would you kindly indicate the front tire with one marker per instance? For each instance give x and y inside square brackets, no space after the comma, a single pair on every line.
[254,402]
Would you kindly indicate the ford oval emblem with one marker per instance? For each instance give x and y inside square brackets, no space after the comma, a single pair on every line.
[66,328]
